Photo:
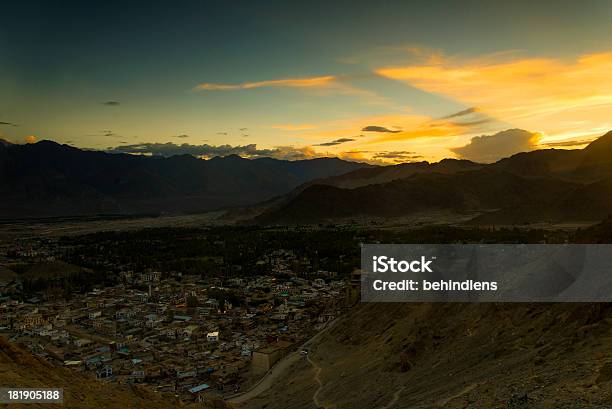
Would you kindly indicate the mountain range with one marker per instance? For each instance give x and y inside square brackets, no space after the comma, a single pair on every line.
[48,179]
[540,186]
[554,185]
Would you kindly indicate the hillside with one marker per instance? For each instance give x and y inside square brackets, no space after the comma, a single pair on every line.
[47,179]
[19,368]
[384,174]
[454,356]
[462,192]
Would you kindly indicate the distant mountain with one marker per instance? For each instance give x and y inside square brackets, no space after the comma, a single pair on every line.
[48,179]
[357,178]
[540,186]
[383,174]
[479,190]
[590,164]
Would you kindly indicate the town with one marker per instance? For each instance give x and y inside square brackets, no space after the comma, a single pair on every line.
[181,334]
[190,312]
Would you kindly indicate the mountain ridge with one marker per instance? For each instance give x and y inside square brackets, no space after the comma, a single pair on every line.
[47,179]
[583,192]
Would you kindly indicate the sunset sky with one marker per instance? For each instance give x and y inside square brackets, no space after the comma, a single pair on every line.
[381,81]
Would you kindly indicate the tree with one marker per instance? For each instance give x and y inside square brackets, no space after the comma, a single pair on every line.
[192,301]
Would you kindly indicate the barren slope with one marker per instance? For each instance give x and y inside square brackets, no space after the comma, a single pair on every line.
[460,355]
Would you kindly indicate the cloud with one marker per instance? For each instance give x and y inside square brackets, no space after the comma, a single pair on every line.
[375,128]
[319,85]
[531,92]
[293,153]
[181,136]
[111,103]
[397,155]
[475,122]
[470,117]
[465,112]
[111,134]
[221,133]
[291,127]
[423,130]
[307,82]
[8,123]
[30,139]
[490,148]
[336,142]
[208,151]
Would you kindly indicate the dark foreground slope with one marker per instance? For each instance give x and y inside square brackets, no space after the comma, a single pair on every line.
[18,368]
[445,355]
[455,356]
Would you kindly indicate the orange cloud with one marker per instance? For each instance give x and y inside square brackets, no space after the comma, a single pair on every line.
[427,136]
[289,82]
[30,139]
[431,130]
[533,93]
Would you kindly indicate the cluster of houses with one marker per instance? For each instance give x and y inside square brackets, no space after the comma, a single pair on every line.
[179,334]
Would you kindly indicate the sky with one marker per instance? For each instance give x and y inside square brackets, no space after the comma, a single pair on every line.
[384,82]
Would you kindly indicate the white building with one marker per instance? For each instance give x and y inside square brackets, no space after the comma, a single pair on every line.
[212,336]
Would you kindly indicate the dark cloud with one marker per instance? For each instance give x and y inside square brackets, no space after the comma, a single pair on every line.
[462,113]
[244,129]
[8,123]
[221,133]
[475,118]
[490,148]
[399,156]
[473,123]
[111,134]
[336,142]
[375,128]
[181,136]
[111,103]
[209,151]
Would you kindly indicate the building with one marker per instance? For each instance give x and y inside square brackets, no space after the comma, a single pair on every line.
[197,391]
[264,358]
